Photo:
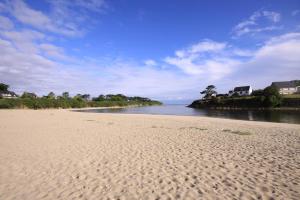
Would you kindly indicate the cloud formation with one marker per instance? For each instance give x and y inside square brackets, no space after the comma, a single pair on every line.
[277,59]
[150,62]
[61,18]
[259,21]
[5,23]
[228,66]
[31,61]
[208,58]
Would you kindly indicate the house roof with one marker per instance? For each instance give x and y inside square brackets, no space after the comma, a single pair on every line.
[8,92]
[285,84]
[241,88]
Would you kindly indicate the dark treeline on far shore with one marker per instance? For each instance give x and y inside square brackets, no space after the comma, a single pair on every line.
[268,98]
[9,99]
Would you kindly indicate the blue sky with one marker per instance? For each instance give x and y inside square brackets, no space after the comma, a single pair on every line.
[166,50]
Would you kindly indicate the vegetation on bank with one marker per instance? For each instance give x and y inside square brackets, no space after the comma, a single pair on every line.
[32,101]
[266,98]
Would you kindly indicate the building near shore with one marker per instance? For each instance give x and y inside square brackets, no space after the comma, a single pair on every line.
[287,87]
[8,95]
[241,91]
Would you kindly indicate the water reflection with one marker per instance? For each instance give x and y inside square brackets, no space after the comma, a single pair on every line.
[266,115]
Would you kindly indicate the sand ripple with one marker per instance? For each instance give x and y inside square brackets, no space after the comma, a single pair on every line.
[58,154]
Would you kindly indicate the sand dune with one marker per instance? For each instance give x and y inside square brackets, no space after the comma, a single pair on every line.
[59,154]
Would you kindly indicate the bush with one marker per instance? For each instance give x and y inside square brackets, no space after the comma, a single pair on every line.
[45,102]
[271,91]
[290,102]
[10,103]
[258,93]
[235,95]
[272,101]
[272,97]
[29,95]
[4,104]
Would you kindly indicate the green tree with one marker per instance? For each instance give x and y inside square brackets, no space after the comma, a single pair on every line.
[272,97]
[78,96]
[29,95]
[271,91]
[116,97]
[51,95]
[297,82]
[101,97]
[86,97]
[209,91]
[258,92]
[235,95]
[66,95]
[3,87]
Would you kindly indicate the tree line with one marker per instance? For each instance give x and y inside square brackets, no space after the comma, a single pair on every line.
[33,101]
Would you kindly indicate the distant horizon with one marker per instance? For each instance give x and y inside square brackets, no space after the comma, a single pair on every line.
[167,51]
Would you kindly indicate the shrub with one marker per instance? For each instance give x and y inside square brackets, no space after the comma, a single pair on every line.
[29,95]
[67,102]
[272,101]
[272,97]
[258,93]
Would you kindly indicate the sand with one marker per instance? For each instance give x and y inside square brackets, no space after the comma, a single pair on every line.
[60,154]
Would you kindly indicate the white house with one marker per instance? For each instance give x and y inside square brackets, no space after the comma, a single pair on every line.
[287,87]
[241,91]
[8,94]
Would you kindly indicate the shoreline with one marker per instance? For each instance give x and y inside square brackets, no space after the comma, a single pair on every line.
[201,115]
[111,107]
[251,109]
[194,116]
[83,108]
[179,115]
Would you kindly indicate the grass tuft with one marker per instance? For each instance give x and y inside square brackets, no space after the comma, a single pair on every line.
[226,130]
[236,132]
[191,127]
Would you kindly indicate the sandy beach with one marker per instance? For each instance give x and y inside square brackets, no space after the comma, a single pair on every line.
[61,154]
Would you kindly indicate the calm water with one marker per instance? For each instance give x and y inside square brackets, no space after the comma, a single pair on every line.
[267,115]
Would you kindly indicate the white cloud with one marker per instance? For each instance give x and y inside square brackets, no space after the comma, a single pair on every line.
[284,49]
[30,61]
[207,46]
[243,24]
[272,16]
[277,59]
[257,30]
[242,52]
[204,58]
[284,37]
[5,23]
[150,62]
[91,5]
[27,71]
[73,13]
[254,23]
[24,40]
[185,64]
[53,51]
[62,20]
[22,12]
